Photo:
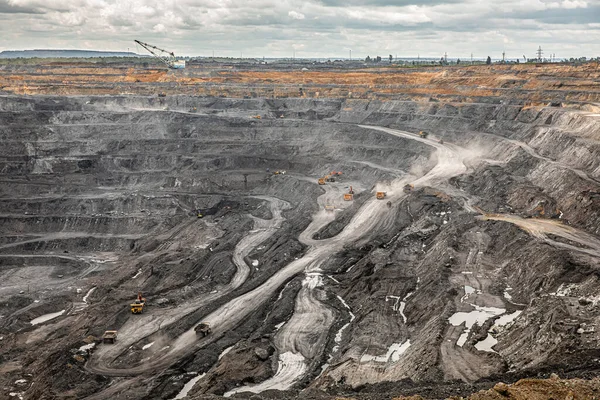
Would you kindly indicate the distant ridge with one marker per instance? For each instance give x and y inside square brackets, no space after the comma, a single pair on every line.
[42,53]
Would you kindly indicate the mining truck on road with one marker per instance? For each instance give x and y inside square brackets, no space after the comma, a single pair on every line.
[203,329]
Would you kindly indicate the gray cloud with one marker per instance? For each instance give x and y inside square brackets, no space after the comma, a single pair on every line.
[7,8]
[384,3]
[579,16]
[312,28]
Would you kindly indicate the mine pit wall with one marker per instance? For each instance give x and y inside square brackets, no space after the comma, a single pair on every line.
[569,137]
[152,144]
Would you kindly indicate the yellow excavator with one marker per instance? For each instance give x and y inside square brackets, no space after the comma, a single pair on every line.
[350,195]
[137,307]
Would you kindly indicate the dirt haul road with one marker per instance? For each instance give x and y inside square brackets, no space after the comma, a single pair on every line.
[300,339]
[540,228]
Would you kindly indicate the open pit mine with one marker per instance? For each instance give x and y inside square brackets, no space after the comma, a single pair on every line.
[265,232]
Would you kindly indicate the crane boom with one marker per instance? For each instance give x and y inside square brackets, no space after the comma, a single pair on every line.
[167,57]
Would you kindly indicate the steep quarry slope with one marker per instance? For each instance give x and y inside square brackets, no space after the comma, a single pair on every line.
[487,269]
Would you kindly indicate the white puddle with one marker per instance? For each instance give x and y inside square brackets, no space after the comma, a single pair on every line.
[393,354]
[87,295]
[227,350]
[313,280]
[340,333]
[399,305]
[396,306]
[291,367]
[477,316]
[468,291]
[87,347]
[279,325]
[347,306]
[487,344]
[188,386]
[147,346]
[46,317]
[507,319]
[138,274]
[401,311]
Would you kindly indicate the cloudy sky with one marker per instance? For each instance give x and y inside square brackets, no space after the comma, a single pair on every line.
[310,28]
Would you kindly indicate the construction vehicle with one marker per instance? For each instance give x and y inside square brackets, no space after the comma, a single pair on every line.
[326,178]
[279,172]
[193,110]
[162,94]
[423,134]
[380,195]
[137,307]
[203,329]
[256,117]
[199,214]
[329,207]
[166,57]
[109,337]
[336,173]
[539,211]
[350,195]
[408,188]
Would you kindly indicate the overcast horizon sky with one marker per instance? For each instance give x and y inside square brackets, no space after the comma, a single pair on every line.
[310,28]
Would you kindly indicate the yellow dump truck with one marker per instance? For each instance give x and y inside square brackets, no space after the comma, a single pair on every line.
[137,307]
[109,337]
[380,195]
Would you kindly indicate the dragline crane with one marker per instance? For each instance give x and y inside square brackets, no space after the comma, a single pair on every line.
[167,57]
